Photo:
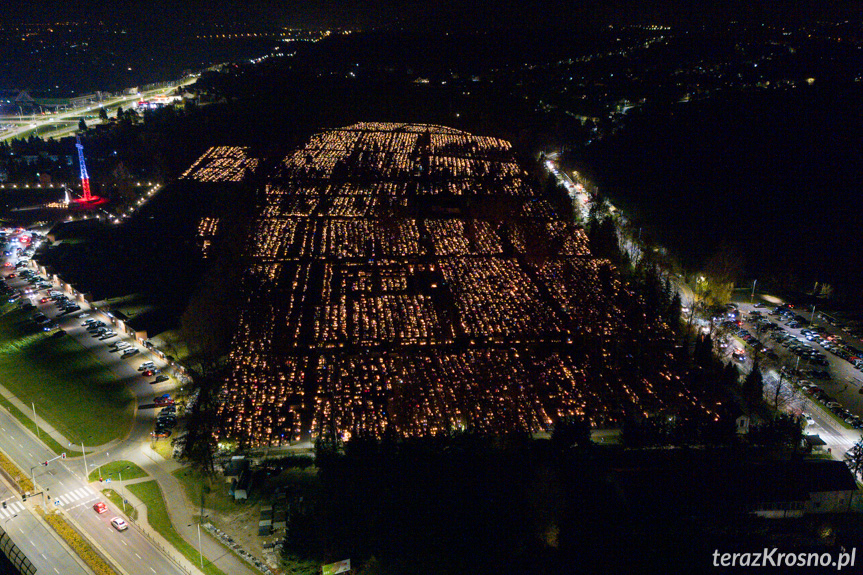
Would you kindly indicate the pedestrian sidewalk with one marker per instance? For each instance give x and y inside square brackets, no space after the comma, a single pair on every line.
[143,524]
[182,512]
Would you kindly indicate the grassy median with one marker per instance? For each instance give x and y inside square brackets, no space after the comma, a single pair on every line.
[73,391]
[24,483]
[157,516]
[80,545]
[115,469]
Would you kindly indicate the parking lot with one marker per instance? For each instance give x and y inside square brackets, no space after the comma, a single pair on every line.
[61,312]
[823,364]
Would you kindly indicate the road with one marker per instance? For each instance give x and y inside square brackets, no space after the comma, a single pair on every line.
[64,481]
[33,537]
[135,447]
[26,124]
[576,191]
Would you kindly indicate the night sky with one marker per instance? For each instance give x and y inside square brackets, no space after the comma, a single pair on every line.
[447,13]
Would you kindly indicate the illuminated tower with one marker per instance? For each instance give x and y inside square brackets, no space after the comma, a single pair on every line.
[85,179]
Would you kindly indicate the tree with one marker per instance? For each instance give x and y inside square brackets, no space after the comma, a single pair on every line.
[103,114]
[731,375]
[721,272]
[703,353]
[82,125]
[119,112]
[570,431]
[753,385]
[783,392]
[197,446]
[854,459]
[675,312]
[783,431]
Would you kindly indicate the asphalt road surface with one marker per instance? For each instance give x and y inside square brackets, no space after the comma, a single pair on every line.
[64,481]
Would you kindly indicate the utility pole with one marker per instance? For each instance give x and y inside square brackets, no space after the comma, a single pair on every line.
[86,475]
[200,551]
[752,296]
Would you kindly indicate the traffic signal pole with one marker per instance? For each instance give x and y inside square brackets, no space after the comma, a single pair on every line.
[33,476]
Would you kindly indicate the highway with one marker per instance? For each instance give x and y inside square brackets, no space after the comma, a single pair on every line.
[64,481]
[33,537]
[23,125]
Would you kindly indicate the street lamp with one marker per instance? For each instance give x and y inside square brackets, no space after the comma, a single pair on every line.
[752,296]
[200,553]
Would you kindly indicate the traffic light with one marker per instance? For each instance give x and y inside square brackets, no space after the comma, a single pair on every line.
[24,497]
[44,463]
[4,505]
[63,455]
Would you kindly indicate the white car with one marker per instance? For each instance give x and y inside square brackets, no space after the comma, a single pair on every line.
[808,419]
[119,524]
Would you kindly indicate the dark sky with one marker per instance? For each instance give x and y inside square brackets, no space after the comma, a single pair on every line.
[465,13]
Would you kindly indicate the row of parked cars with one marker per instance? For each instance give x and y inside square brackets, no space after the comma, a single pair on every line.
[166,421]
[830,403]
[830,342]
[799,348]
[98,328]
[787,316]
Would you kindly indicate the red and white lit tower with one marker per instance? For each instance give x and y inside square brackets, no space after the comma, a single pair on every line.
[87,198]
[85,178]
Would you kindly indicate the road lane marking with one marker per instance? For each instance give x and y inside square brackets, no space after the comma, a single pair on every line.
[138,556]
[124,543]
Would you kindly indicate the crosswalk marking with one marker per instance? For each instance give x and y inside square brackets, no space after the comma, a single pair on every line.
[82,492]
[64,499]
[11,509]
